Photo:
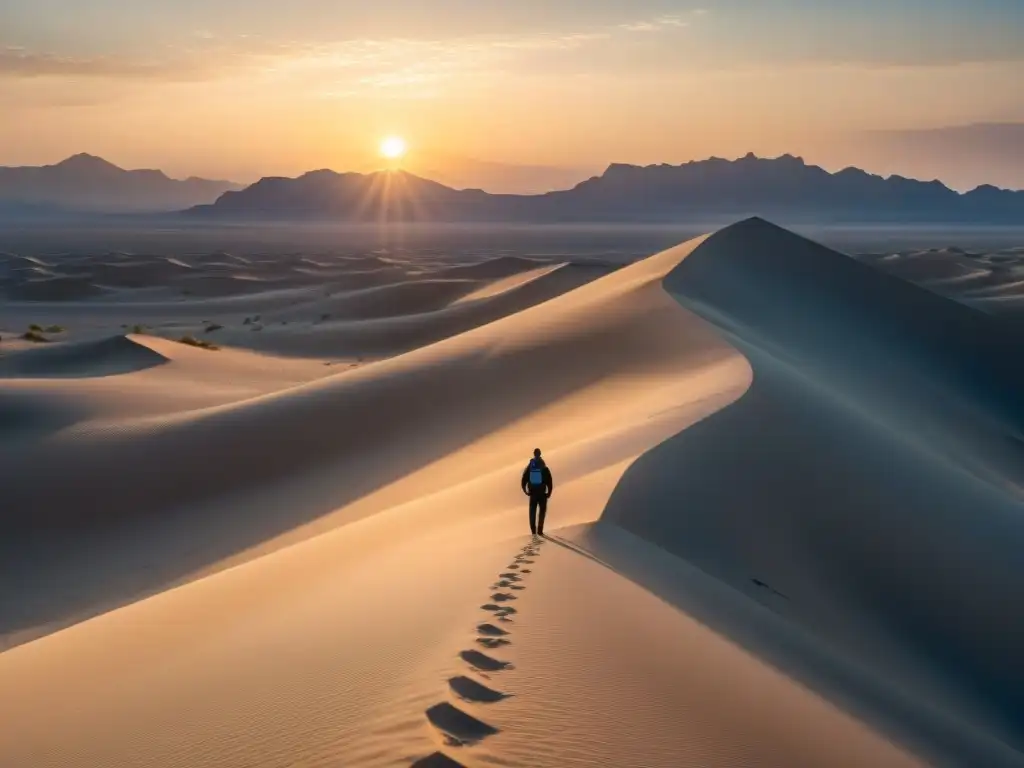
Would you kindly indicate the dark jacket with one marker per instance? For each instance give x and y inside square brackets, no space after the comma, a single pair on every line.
[549,484]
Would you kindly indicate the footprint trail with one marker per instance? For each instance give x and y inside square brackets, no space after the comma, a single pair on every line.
[453,720]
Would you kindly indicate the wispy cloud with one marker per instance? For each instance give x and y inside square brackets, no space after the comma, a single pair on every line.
[342,68]
[655,25]
[418,68]
[16,62]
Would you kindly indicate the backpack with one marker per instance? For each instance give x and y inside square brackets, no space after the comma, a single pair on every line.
[536,473]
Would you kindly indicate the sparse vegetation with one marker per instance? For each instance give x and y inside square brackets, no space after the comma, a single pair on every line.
[192,341]
[213,327]
[35,328]
[54,329]
[140,329]
[34,336]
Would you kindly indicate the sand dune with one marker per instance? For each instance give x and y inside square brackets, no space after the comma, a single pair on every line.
[354,307]
[53,289]
[391,320]
[784,533]
[877,455]
[118,354]
[492,269]
[392,300]
[987,280]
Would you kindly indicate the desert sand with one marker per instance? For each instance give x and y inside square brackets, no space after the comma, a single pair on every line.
[786,529]
[990,279]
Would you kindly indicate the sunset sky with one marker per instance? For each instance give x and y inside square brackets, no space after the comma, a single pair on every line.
[244,88]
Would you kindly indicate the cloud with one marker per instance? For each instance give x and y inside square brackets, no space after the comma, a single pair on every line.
[656,25]
[409,66]
[364,64]
[18,63]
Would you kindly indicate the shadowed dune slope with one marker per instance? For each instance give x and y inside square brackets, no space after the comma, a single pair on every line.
[119,354]
[866,487]
[52,289]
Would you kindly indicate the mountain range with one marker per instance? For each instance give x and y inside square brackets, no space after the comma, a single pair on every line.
[786,188]
[85,183]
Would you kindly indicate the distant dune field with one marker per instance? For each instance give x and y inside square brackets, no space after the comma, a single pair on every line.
[264,510]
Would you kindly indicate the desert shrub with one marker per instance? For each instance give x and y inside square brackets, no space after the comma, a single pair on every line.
[36,328]
[138,329]
[192,341]
[213,327]
[34,336]
[54,329]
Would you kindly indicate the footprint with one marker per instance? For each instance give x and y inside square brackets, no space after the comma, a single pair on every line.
[505,584]
[493,642]
[525,562]
[491,630]
[502,597]
[513,567]
[510,576]
[437,760]
[491,607]
[483,662]
[527,570]
[516,586]
[470,690]
[457,727]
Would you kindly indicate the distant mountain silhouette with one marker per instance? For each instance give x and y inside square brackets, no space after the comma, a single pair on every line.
[785,188]
[88,183]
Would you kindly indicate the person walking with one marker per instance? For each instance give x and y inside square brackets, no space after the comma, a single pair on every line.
[538,485]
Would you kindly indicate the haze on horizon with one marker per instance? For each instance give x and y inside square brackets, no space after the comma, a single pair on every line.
[527,95]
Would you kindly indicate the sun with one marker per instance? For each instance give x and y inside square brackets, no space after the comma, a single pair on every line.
[393,147]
